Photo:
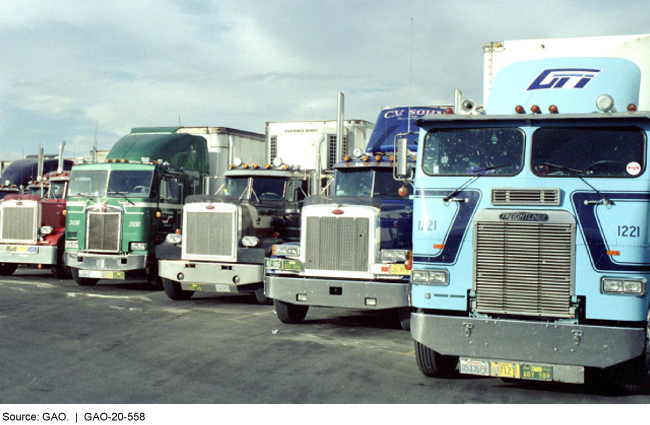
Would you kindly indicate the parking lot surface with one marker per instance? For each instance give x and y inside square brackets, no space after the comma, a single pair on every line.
[123,342]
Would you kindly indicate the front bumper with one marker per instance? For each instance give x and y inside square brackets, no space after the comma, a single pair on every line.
[337,293]
[110,262]
[527,341]
[212,277]
[46,254]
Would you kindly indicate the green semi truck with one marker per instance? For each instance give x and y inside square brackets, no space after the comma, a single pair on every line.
[120,210]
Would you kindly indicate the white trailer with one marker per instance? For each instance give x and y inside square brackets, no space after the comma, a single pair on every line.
[225,144]
[497,55]
[301,143]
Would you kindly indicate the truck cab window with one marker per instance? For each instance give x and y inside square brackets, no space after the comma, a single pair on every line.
[588,152]
[467,152]
[136,183]
[169,190]
[88,182]
[354,183]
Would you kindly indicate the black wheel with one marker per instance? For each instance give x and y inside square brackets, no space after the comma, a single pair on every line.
[290,313]
[433,364]
[174,290]
[261,298]
[404,317]
[7,269]
[60,270]
[83,281]
[637,372]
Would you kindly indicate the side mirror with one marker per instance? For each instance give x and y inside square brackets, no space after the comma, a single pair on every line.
[402,170]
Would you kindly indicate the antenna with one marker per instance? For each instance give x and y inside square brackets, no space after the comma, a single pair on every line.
[408,118]
[94,154]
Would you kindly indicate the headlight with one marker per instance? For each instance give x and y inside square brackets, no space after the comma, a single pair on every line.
[431,277]
[173,238]
[392,255]
[46,230]
[138,246]
[250,241]
[286,250]
[72,244]
[624,286]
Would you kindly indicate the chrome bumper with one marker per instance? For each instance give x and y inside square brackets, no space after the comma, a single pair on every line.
[563,344]
[337,293]
[46,255]
[115,262]
[211,277]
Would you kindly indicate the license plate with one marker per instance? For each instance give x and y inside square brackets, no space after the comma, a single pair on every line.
[474,367]
[222,288]
[536,373]
[195,287]
[279,264]
[19,249]
[102,274]
[399,269]
[505,370]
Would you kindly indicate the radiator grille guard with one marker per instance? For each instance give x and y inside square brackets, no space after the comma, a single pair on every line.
[103,232]
[19,223]
[337,243]
[524,263]
[210,234]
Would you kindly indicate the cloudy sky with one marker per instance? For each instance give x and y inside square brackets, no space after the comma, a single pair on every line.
[68,67]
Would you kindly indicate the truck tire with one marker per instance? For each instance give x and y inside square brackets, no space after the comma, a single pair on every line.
[637,373]
[404,317]
[261,298]
[290,313]
[60,270]
[434,364]
[7,269]
[174,290]
[83,281]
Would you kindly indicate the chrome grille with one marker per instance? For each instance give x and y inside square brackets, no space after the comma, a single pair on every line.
[337,243]
[210,233]
[19,223]
[103,232]
[524,268]
[508,196]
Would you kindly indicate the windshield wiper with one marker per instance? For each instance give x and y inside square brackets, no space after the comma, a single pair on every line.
[85,196]
[578,174]
[479,172]
[123,195]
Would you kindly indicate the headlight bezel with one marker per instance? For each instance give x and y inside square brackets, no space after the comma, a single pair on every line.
[285,250]
[173,238]
[250,241]
[46,230]
[430,277]
[394,255]
[623,286]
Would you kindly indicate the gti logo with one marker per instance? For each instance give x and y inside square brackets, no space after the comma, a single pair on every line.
[563,78]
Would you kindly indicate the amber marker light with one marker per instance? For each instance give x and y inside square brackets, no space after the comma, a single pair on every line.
[631,107]
[519,109]
[438,246]
[613,253]
[449,111]
[535,109]
[553,109]
[158,214]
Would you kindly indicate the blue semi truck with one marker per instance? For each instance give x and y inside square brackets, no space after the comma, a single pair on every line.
[530,241]
[354,244]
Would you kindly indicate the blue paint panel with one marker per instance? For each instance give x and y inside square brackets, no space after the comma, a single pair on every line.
[393,121]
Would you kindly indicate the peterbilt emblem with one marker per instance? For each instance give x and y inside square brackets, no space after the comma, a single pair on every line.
[209,207]
[523,216]
[337,211]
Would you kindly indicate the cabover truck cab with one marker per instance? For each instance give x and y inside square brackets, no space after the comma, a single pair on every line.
[32,226]
[18,175]
[226,234]
[530,229]
[119,210]
[353,245]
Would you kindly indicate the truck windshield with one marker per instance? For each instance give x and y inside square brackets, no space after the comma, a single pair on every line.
[465,152]
[252,188]
[57,190]
[365,183]
[136,183]
[88,182]
[588,152]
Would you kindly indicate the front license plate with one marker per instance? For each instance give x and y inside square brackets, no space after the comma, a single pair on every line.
[102,274]
[280,264]
[399,269]
[194,287]
[19,249]
[474,367]
[222,288]
[505,370]
[536,373]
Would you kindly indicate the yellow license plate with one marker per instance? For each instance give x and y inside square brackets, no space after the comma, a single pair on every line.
[399,269]
[195,287]
[505,370]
